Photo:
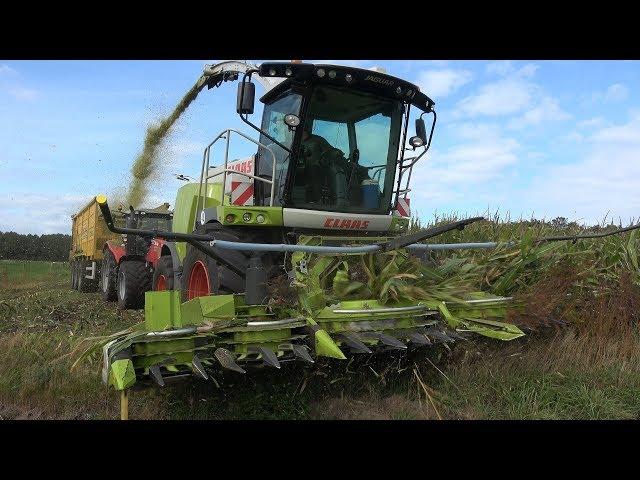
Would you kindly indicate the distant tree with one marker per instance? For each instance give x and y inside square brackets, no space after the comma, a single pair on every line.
[51,247]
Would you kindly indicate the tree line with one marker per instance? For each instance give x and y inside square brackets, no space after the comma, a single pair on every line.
[51,247]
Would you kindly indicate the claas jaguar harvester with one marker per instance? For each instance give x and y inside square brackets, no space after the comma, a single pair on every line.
[328,183]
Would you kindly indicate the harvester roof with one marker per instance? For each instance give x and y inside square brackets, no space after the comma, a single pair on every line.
[342,76]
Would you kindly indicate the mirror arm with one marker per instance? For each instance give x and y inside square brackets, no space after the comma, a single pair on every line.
[245,118]
[433,126]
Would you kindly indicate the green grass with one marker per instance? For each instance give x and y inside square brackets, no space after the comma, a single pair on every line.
[19,275]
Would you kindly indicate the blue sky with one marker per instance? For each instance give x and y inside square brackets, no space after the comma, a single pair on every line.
[534,138]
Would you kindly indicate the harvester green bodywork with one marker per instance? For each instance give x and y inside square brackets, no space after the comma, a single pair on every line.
[185,213]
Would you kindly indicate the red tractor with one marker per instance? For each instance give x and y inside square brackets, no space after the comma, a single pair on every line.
[133,265]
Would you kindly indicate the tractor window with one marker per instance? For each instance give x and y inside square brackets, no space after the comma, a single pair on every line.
[149,222]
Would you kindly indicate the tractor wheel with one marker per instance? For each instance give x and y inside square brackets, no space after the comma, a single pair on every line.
[109,277]
[134,279]
[202,275]
[163,274]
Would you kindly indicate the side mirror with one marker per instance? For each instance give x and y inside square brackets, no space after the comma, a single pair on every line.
[421,130]
[421,135]
[246,97]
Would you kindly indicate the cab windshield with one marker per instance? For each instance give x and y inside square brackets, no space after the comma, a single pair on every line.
[348,152]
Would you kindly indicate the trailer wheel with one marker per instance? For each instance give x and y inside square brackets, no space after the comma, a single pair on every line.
[73,275]
[109,277]
[87,285]
[82,282]
[134,279]
[163,274]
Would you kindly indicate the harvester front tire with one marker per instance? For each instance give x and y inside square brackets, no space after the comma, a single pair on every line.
[134,279]
[109,277]
[163,274]
[202,275]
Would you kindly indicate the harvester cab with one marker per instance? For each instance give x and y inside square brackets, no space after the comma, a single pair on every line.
[336,135]
[322,206]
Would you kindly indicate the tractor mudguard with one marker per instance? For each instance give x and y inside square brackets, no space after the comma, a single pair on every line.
[117,250]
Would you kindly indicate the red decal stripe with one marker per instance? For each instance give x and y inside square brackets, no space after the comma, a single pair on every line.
[246,195]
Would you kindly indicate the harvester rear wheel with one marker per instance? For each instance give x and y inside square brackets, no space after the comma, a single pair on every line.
[134,279]
[163,274]
[109,277]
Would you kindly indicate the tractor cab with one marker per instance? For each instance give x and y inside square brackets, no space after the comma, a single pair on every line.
[159,218]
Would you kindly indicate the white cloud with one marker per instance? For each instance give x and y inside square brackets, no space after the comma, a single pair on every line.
[515,93]
[176,152]
[616,93]
[435,63]
[547,110]
[38,213]
[4,68]
[440,83]
[605,180]
[483,154]
[499,98]
[628,133]
[501,67]
[23,93]
[528,70]
[573,137]
[592,122]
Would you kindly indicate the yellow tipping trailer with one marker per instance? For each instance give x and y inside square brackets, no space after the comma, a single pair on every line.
[89,234]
